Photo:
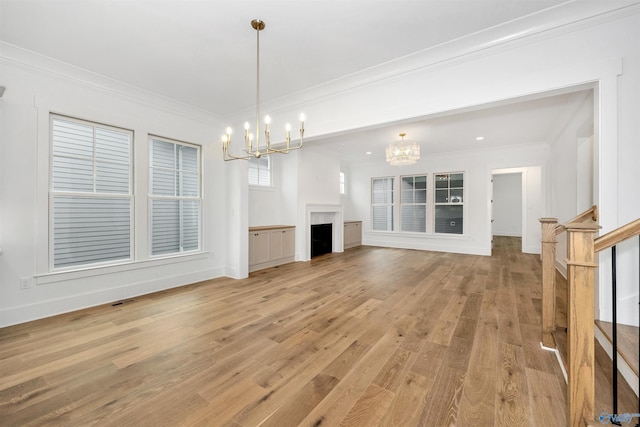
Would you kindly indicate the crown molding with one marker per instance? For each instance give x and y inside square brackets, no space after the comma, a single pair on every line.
[61,70]
[563,19]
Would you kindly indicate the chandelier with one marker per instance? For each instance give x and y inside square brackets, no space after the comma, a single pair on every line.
[253,148]
[403,152]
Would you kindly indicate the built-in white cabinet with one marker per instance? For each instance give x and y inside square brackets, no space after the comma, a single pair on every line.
[352,234]
[271,245]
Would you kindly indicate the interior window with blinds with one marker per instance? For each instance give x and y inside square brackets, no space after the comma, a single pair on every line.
[382,200]
[260,171]
[174,199]
[90,193]
[413,203]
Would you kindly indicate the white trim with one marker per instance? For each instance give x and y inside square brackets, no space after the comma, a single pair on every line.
[566,18]
[48,308]
[64,71]
[338,226]
[92,271]
[94,194]
[559,359]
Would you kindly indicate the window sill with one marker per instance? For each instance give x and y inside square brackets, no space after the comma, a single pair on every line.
[413,234]
[261,188]
[61,276]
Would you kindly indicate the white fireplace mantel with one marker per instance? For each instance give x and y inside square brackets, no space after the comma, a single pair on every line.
[324,214]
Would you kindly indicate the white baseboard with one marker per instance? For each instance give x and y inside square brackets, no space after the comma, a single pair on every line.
[562,268]
[43,309]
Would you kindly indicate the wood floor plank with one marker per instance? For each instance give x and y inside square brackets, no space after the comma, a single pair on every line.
[409,400]
[344,396]
[443,405]
[546,397]
[512,402]
[370,408]
[294,411]
[478,401]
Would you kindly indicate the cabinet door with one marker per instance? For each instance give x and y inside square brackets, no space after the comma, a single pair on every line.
[352,234]
[282,243]
[276,244]
[288,243]
[348,234]
[357,233]
[258,247]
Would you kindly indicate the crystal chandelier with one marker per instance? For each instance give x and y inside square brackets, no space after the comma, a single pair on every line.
[253,148]
[403,152]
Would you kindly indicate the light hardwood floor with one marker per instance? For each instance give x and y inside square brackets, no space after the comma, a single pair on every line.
[373,336]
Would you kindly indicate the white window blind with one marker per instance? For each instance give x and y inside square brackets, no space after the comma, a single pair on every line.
[260,171]
[382,200]
[413,203]
[90,193]
[175,201]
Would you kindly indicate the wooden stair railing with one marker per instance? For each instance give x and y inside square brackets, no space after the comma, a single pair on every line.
[582,246]
[550,230]
[581,267]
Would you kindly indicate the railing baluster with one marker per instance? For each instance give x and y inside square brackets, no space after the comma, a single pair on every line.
[614,331]
[638,423]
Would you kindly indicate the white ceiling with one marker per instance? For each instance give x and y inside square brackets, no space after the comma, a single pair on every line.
[514,122]
[202,52]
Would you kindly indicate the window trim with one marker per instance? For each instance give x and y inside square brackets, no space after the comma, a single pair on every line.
[151,197]
[425,204]
[392,205]
[52,194]
[269,169]
[448,203]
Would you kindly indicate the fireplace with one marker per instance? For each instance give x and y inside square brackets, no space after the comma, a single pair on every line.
[321,214]
[321,239]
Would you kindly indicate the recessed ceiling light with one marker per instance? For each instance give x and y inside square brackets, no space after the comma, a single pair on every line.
[369,152]
[479,138]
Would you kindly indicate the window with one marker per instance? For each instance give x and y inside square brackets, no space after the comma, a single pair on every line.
[91,197]
[449,202]
[413,203]
[260,171]
[174,198]
[382,204]
[342,183]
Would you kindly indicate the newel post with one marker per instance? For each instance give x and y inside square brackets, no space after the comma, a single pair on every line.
[548,280]
[580,310]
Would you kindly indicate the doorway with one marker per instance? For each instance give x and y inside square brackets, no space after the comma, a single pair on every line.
[507,217]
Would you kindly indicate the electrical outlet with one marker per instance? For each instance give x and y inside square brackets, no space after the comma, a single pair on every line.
[26,282]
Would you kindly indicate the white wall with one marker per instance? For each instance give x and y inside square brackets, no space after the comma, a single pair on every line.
[31,95]
[299,178]
[318,184]
[265,203]
[477,167]
[507,204]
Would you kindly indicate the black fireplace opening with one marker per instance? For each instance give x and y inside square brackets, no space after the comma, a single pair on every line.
[321,239]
